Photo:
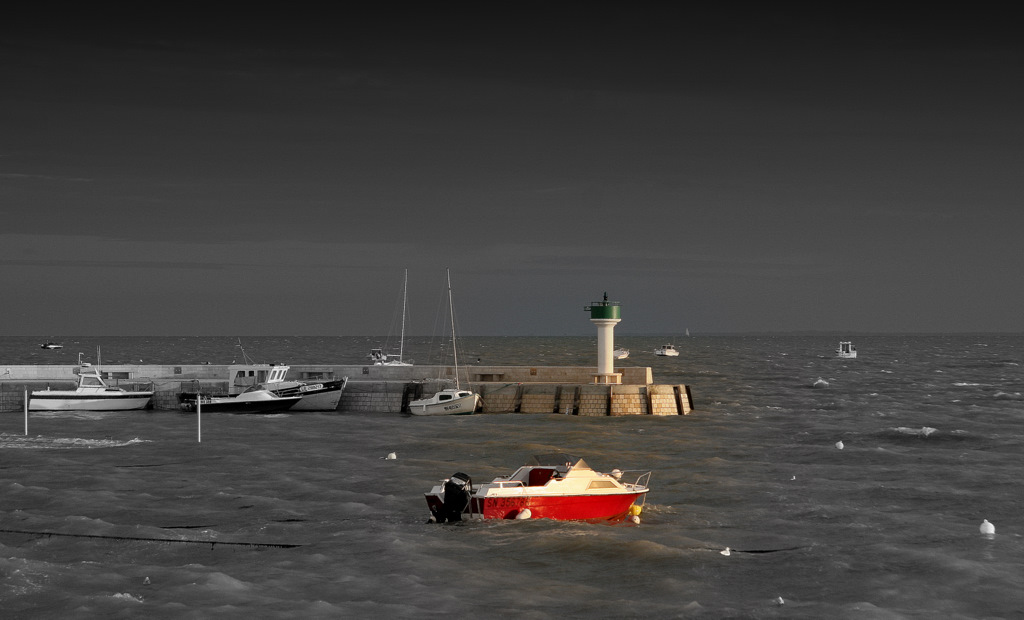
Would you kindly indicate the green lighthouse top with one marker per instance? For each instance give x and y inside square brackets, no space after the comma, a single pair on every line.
[604,309]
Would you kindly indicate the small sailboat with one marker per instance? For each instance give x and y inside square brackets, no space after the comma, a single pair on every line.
[449,401]
[378,356]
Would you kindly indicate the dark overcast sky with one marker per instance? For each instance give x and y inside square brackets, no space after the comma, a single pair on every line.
[720,170]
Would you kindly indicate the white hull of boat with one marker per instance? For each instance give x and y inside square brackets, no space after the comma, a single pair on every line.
[446,402]
[55,400]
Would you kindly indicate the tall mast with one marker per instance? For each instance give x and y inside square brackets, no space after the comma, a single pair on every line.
[451,311]
[405,293]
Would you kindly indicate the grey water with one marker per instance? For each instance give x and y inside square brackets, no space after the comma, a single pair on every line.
[149,514]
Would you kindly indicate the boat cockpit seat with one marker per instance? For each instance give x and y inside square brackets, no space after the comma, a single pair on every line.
[539,477]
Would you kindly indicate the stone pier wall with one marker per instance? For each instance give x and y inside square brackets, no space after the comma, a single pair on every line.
[377,389]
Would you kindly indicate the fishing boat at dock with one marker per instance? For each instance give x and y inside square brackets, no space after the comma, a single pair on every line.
[92,394]
[253,400]
[548,486]
[317,395]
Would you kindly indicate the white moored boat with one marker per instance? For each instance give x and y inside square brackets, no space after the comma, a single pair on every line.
[92,394]
[449,401]
[846,350]
[378,356]
[620,353]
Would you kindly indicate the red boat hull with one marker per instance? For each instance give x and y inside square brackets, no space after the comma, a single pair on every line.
[594,508]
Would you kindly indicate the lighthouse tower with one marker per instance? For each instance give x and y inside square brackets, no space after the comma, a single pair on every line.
[605,315]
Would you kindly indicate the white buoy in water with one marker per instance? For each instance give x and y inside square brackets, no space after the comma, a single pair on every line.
[839,444]
[726,551]
[987,528]
[391,456]
[634,519]
[146,581]
[524,514]
[779,601]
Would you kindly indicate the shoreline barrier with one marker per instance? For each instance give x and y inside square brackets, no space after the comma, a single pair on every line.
[382,389]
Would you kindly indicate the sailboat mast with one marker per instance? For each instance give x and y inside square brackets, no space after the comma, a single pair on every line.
[405,294]
[451,312]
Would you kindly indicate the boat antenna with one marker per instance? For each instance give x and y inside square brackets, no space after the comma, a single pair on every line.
[245,358]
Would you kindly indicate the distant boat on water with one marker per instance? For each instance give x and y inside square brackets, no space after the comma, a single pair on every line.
[51,345]
[666,350]
[620,353]
[846,350]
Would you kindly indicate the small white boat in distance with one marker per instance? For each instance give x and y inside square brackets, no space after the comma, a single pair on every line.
[92,394]
[666,350]
[846,350]
[51,345]
[620,353]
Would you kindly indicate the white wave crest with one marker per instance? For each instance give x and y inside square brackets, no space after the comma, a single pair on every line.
[924,431]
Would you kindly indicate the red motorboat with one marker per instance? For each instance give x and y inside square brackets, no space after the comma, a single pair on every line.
[549,486]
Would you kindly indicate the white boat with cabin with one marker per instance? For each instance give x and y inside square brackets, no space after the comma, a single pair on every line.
[317,395]
[666,350]
[92,394]
[846,350]
[620,353]
[449,401]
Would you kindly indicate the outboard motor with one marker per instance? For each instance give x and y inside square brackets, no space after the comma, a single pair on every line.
[457,491]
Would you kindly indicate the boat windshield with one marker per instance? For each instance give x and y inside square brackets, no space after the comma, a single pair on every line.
[556,460]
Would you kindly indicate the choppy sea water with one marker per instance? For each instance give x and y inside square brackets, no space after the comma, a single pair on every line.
[128,515]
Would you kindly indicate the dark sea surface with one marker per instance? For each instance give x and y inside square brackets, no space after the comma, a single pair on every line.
[127,515]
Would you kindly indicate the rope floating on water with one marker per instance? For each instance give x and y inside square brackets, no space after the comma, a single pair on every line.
[161,540]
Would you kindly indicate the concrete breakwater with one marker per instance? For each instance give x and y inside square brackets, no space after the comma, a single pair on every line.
[388,389]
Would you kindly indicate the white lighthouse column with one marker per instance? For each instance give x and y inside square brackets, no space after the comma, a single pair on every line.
[605,345]
[605,315]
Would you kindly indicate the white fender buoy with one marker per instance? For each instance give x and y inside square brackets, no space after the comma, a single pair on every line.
[839,444]
[391,456]
[726,551]
[634,519]
[524,514]
[987,528]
